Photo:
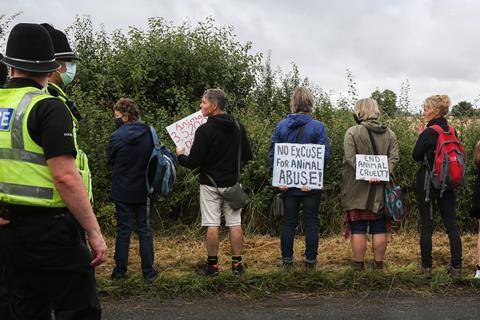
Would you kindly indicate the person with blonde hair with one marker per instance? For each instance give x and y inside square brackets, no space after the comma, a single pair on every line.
[300,127]
[475,208]
[363,201]
[435,108]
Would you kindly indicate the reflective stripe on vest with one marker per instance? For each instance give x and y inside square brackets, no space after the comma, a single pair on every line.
[27,191]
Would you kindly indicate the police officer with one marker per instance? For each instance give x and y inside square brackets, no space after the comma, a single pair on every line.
[4,294]
[57,81]
[3,72]
[44,205]
[64,55]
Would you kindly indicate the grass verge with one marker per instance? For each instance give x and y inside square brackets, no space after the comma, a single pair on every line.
[177,257]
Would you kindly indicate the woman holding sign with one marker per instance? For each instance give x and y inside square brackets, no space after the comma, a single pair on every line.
[302,178]
[363,192]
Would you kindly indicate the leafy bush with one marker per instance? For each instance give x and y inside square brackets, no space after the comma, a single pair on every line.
[166,69]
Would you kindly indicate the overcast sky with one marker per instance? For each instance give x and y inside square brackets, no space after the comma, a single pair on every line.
[433,44]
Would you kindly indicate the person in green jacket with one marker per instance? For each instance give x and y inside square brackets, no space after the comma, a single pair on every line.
[362,200]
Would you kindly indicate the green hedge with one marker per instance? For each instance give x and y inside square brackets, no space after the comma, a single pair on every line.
[166,68]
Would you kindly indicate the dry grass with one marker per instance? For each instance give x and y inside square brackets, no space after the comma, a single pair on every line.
[177,258]
[181,254]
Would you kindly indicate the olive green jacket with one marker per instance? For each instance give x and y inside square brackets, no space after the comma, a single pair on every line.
[360,194]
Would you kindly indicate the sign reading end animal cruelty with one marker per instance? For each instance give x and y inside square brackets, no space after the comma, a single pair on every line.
[298,165]
[372,167]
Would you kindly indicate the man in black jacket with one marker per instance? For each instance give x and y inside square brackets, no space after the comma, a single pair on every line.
[215,151]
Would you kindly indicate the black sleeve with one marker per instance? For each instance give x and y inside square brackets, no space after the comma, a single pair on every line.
[246,149]
[197,152]
[50,126]
[475,207]
[425,142]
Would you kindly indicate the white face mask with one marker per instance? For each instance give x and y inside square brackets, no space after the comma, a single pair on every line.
[69,74]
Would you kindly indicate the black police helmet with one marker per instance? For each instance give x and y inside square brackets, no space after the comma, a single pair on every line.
[30,48]
[3,72]
[60,43]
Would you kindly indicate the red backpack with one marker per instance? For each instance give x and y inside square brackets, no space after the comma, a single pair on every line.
[449,163]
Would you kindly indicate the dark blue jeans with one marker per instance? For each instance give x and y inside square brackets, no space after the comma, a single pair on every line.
[126,214]
[311,202]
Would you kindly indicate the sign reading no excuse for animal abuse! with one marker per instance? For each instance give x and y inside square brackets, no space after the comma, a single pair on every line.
[371,167]
[298,165]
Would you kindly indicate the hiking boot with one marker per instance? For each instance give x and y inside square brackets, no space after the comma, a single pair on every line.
[118,276]
[237,268]
[211,270]
[454,272]
[427,272]
[358,266]
[310,264]
[377,265]
[151,276]
[287,263]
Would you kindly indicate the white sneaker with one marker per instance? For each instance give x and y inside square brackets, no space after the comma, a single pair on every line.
[477,274]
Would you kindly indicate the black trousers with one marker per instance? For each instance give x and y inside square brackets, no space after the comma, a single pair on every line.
[4,296]
[447,206]
[47,268]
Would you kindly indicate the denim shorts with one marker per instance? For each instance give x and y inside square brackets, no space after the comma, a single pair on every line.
[373,226]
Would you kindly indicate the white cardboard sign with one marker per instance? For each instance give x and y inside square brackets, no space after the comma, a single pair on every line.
[298,165]
[372,166]
[182,132]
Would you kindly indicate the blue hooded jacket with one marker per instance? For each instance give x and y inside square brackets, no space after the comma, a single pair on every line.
[128,151]
[286,132]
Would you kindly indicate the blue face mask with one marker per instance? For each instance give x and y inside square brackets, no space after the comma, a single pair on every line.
[69,74]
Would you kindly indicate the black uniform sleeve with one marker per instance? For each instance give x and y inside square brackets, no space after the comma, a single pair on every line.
[197,152]
[50,126]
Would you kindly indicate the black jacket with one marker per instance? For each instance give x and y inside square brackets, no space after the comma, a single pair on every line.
[475,208]
[129,149]
[426,144]
[215,150]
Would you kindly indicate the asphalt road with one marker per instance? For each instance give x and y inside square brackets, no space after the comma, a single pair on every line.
[298,307]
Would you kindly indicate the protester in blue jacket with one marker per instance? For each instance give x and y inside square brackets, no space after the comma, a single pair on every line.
[129,150]
[300,127]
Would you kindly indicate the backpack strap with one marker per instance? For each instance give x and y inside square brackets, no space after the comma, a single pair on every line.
[156,144]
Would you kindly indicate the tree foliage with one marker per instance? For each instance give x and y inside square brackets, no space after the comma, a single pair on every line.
[166,68]
[387,101]
[464,109]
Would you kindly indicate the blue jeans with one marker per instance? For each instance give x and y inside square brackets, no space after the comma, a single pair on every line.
[126,214]
[311,202]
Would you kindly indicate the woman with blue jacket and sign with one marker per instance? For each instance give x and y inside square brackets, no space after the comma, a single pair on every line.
[299,127]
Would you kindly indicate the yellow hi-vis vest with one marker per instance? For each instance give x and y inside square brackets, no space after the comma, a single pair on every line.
[81,160]
[25,178]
